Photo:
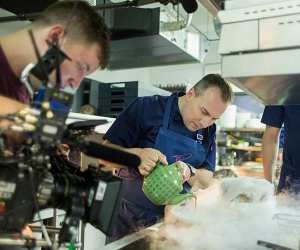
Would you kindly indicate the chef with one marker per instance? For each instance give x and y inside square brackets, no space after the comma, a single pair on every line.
[167,129]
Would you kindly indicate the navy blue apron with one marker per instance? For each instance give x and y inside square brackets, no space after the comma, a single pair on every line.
[136,210]
[177,147]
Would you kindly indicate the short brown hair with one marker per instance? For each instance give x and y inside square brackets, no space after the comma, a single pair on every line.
[82,24]
[214,80]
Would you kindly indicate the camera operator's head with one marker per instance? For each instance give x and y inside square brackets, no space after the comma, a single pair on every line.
[81,34]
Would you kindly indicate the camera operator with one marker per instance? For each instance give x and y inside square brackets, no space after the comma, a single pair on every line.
[81,34]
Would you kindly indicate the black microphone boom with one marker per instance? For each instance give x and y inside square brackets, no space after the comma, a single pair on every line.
[111,154]
[190,6]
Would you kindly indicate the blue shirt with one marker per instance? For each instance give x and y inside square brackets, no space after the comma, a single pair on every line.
[139,123]
[276,116]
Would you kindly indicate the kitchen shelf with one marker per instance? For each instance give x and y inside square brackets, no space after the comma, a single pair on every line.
[249,148]
[249,168]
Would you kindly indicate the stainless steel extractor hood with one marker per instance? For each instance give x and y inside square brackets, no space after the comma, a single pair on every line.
[137,40]
[260,47]
[147,51]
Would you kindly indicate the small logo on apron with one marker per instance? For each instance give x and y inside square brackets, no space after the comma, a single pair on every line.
[183,157]
[199,138]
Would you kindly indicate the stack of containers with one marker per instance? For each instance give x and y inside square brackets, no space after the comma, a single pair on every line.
[113,98]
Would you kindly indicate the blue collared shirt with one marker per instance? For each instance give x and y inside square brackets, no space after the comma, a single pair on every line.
[139,123]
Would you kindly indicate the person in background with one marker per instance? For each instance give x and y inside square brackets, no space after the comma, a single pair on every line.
[167,129]
[274,117]
[81,34]
[276,168]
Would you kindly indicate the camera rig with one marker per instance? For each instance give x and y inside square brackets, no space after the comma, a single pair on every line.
[36,176]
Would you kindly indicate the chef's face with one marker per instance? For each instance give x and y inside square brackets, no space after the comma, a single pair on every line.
[203,110]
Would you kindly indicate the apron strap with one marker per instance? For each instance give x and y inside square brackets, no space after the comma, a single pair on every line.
[168,112]
[206,139]
[210,142]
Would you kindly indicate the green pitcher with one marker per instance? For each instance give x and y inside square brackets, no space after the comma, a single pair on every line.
[164,184]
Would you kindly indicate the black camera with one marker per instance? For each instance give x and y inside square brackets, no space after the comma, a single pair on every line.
[91,196]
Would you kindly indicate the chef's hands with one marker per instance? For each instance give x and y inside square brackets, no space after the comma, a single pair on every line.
[202,179]
[185,170]
[149,159]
